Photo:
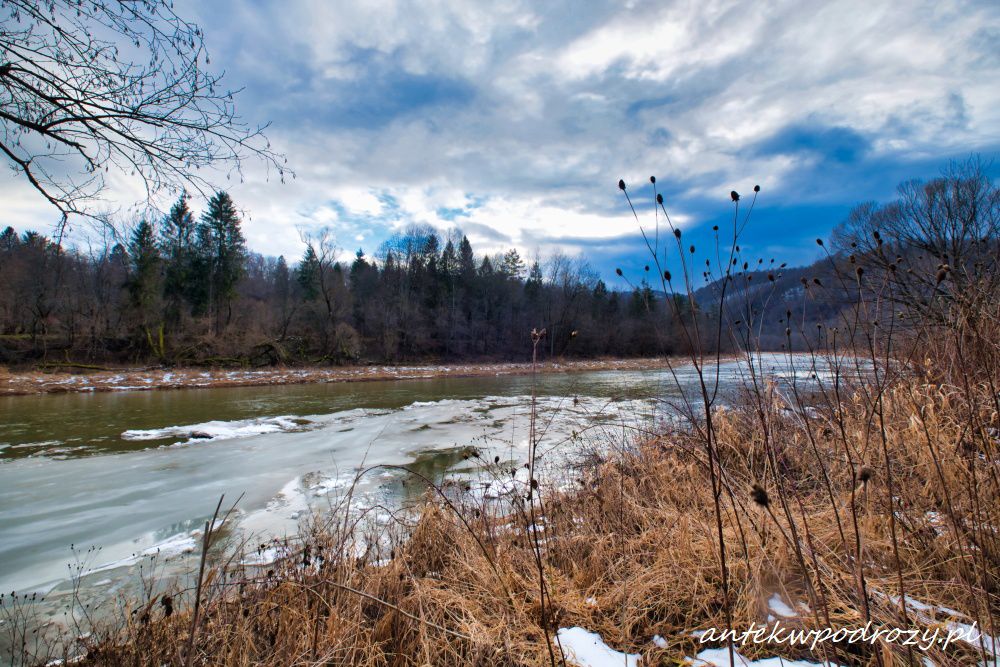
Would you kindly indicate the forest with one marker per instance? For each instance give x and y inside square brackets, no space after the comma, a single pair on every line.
[185,289]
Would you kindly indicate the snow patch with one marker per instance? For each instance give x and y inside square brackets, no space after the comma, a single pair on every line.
[263,557]
[719,657]
[587,649]
[778,607]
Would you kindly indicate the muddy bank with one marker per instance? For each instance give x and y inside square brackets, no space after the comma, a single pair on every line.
[13,384]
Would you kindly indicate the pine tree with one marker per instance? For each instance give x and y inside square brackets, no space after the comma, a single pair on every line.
[308,274]
[144,283]
[221,224]
[513,265]
[144,265]
[282,292]
[177,244]
[466,261]
[8,239]
[449,260]
[533,285]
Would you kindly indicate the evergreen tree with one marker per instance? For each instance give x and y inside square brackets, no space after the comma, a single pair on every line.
[432,248]
[466,261]
[221,224]
[281,280]
[449,260]
[282,293]
[144,283]
[533,285]
[177,243]
[144,265]
[309,274]
[8,239]
[513,265]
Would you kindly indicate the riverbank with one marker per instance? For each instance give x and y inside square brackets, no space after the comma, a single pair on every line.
[144,379]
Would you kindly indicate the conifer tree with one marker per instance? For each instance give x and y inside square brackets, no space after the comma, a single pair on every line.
[177,246]
[512,265]
[221,224]
[145,282]
[308,274]
[144,265]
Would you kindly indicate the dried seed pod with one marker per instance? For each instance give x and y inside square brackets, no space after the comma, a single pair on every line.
[759,495]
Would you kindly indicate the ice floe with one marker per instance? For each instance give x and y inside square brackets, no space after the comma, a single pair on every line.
[220,430]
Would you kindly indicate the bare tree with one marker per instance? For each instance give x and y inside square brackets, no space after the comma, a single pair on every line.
[935,246]
[90,86]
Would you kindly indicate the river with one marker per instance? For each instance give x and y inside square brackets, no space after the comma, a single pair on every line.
[93,484]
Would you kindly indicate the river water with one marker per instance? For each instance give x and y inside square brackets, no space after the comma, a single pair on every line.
[95,483]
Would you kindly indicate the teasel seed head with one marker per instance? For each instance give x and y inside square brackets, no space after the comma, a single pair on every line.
[759,495]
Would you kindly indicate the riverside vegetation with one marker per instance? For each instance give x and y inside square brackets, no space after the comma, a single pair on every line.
[862,488]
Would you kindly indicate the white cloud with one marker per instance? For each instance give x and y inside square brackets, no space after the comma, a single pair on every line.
[559,101]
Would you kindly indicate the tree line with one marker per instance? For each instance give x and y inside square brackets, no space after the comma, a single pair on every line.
[185,289]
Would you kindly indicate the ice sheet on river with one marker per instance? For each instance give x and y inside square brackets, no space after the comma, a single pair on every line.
[288,466]
[221,430]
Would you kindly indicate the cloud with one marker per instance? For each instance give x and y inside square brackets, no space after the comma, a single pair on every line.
[514,121]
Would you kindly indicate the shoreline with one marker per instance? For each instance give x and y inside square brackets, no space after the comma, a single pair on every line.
[37,382]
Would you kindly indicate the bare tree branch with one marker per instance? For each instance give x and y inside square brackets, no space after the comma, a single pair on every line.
[90,86]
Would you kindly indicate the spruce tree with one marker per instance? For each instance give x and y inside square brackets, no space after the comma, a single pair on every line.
[466,261]
[177,247]
[228,252]
[449,260]
[309,274]
[8,239]
[533,285]
[144,265]
[144,284]
[513,265]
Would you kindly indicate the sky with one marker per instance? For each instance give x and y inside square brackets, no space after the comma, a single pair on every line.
[513,121]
